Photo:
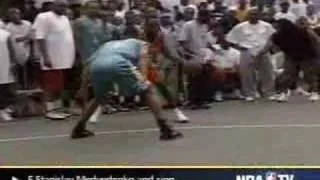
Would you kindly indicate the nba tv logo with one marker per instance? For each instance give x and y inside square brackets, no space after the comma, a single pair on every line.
[271,176]
[267,176]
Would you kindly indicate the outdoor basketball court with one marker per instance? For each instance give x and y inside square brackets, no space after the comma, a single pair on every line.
[231,133]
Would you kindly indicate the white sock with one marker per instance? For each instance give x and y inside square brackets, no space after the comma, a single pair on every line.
[137,99]
[50,106]
[95,116]
[180,115]
[177,111]
[122,99]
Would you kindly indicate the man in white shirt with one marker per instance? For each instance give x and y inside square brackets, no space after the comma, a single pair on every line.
[298,8]
[285,13]
[2,25]
[21,33]
[193,34]
[250,37]
[54,36]
[187,4]
[192,39]
[226,61]
[7,91]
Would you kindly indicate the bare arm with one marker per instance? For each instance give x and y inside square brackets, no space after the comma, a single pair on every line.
[267,47]
[44,52]
[11,51]
[144,60]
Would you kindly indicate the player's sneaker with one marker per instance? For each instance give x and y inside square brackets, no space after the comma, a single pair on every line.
[55,116]
[249,99]
[5,116]
[314,96]
[181,117]
[80,132]
[218,96]
[172,135]
[283,97]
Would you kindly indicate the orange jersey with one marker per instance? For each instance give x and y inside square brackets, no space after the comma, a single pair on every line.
[156,48]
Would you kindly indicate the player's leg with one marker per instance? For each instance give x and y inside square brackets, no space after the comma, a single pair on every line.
[101,81]
[79,131]
[165,92]
[151,99]
[131,81]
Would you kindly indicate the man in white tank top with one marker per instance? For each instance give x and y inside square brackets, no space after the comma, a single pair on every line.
[6,76]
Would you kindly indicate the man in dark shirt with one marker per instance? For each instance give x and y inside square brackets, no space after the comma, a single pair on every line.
[219,10]
[29,11]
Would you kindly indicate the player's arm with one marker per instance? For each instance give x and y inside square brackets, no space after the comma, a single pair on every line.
[144,60]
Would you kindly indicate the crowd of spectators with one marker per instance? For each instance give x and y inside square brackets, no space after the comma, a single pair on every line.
[47,47]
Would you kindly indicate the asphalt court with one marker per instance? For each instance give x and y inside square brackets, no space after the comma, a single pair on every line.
[231,133]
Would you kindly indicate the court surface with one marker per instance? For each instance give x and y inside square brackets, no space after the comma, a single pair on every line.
[231,133]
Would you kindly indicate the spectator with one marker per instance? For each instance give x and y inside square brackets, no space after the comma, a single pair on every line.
[70,14]
[121,10]
[229,20]
[226,60]
[103,4]
[193,34]
[109,30]
[268,13]
[192,39]
[219,10]
[211,6]
[285,13]
[117,22]
[242,11]
[29,12]
[76,9]
[151,13]
[230,3]
[189,14]
[88,31]
[186,4]
[7,89]
[312,16]
[169,4]
[112,5]
[300,45]
[47,6]
[299,9]
[250,37]
[141,6]
[55,38]
[130,29]
[21,32]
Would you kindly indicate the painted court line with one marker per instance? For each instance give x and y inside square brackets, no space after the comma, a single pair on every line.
[43,137]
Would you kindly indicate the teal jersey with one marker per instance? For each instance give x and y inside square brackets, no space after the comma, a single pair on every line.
[116,62]
[121,50]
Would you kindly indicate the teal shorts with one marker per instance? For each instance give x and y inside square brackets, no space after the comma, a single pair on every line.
[118,71]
